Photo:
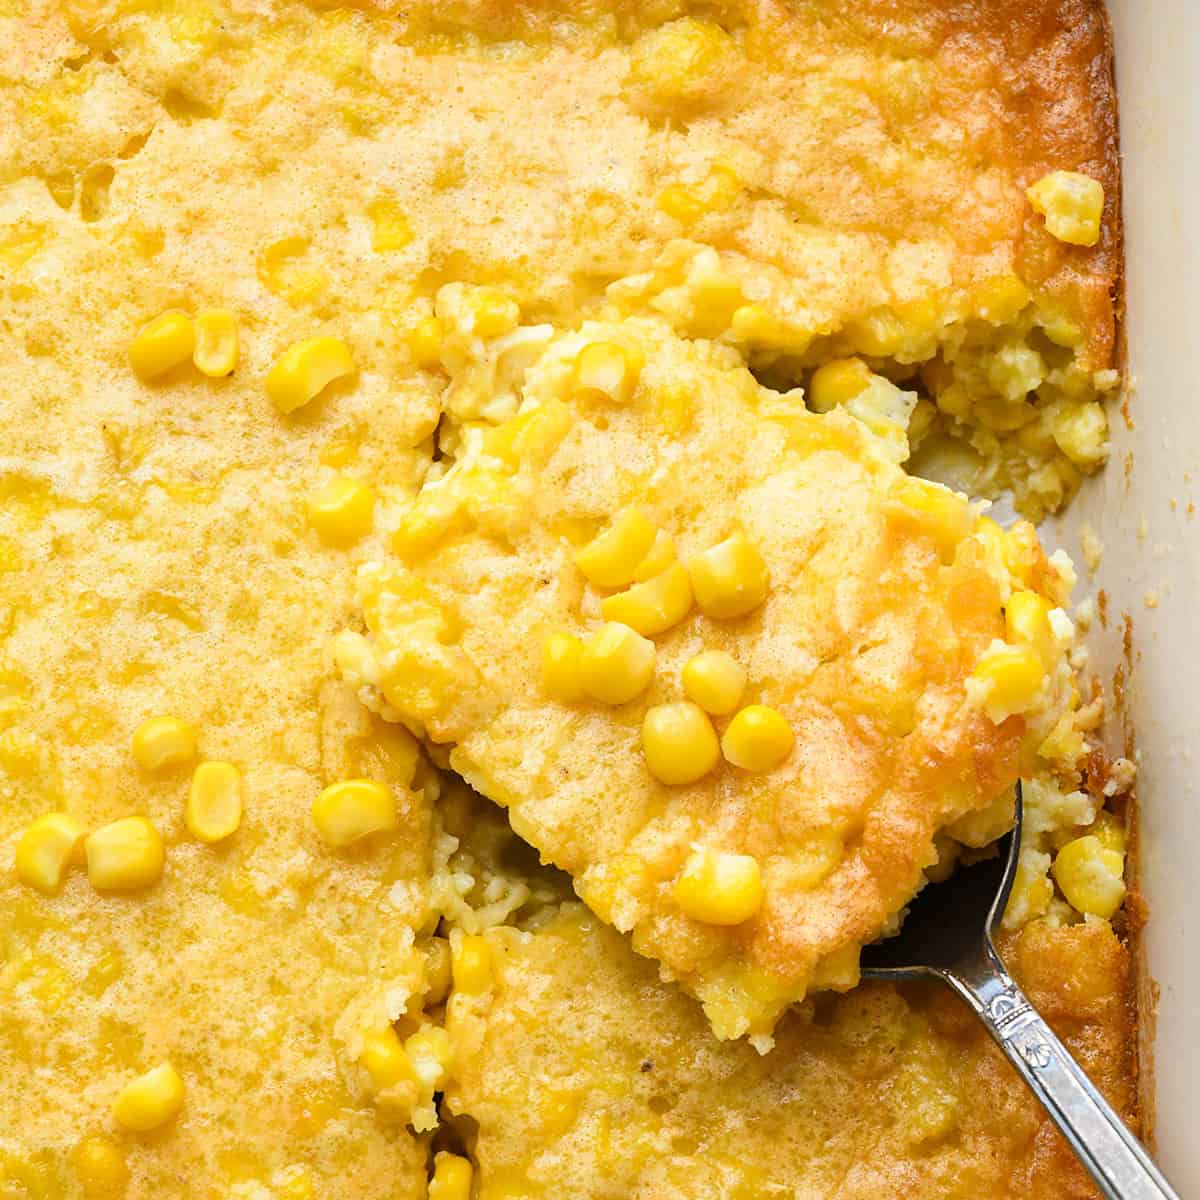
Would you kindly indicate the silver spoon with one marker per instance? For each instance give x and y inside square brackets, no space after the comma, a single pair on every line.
[948,935]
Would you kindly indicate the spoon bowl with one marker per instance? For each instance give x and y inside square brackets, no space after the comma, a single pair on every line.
[949,934]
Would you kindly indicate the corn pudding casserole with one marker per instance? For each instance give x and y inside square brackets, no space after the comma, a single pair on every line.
[545,396]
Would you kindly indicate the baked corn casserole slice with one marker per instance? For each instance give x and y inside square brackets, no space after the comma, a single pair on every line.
[722,660]
[285,288]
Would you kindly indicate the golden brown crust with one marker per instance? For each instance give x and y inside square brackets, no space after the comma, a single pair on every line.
[1031,88]
[1080,980]
[908,129]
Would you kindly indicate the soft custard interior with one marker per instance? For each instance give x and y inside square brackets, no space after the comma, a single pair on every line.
[1006,394]
[825,209]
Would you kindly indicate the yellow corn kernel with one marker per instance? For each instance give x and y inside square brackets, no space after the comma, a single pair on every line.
[936,375]
[613,556]
[305,369]
[1027,622]
[689,202]
[61,186]
[994,539]
[493,314]
[1081,431]
[954,400]
[679,742]
[1014,550]
[1000,299]
[606,371]
[124,855]
[729,579]
[719,888]
[1032,890]
[163,742]
[681,201]
[100,1168]
[471,964]
[944,515]
[1060,328]
[531,436]
[757,325]
[721,188]
[451,1177]
[881,334]
[653,606]
[425,342]
[286,269]
[715,681]
[391,228]
[438,971]
[1023,551]
[1003,416]
[354,809]
[1110,830]
[835,382]
[616,664]
[293,1183]
[758,738]
[661,555]
[431,1052]
[813,857]
[560,667]
[214,803]
[161,344]
[342,511]
[1078,384]
[681,62]
[150,1100]
[216,350]
[674,406]
[1009,680]
[1072,204]
[921,420]
[46,849]
[1089,876]
[384,1058]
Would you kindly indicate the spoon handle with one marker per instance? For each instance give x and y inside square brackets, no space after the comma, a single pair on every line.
[1116,1160]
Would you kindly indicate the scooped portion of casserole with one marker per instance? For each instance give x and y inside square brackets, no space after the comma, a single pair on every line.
[722,660]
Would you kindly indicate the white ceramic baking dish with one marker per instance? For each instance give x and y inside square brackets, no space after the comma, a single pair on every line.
[1151,564]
